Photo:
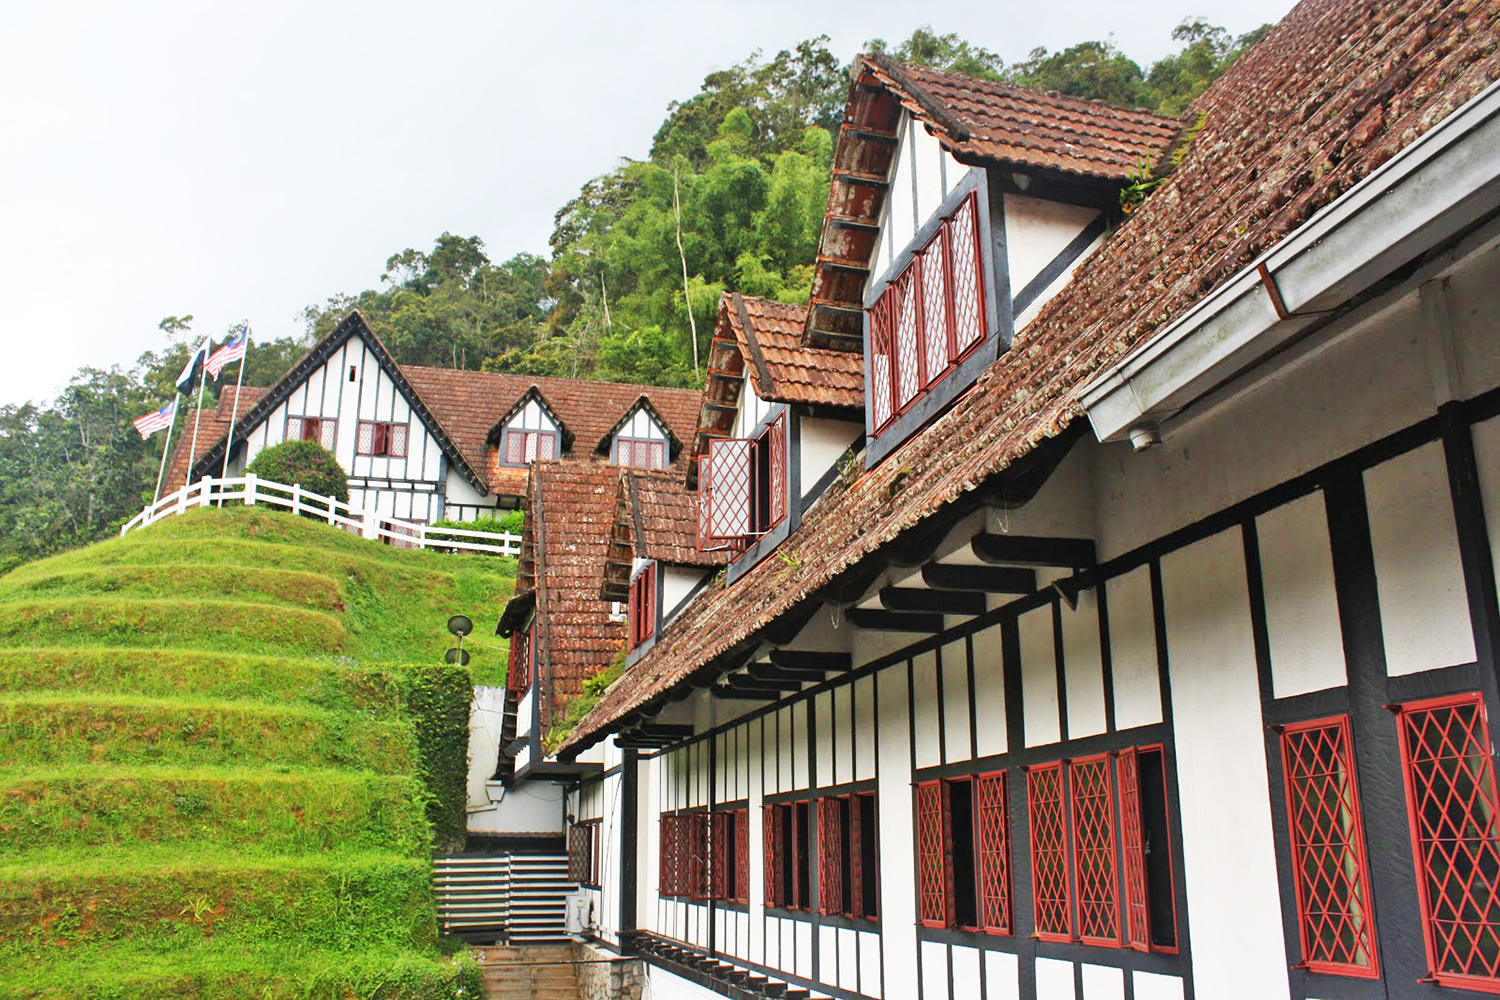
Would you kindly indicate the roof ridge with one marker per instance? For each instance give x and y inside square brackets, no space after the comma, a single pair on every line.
[1017,90]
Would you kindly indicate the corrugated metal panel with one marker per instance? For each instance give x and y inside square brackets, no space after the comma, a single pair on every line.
[514,897]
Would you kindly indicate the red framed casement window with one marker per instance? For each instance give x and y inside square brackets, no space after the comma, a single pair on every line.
[775,858]
[518,674]
[929,316]
[1093,826]
[641,609]
[742,488]
[934,879]
[1052,902]
[640,453]
[525,447]
[1335,920]
[318,429]
[676,874]
[730,877]
[992,822]
[1455,830]
[741,888]
[381,439]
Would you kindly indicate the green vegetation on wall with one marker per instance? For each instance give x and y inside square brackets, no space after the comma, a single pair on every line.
[228,748]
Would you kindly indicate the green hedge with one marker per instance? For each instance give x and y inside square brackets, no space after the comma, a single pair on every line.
[438,702]
[303,463]
[43,730]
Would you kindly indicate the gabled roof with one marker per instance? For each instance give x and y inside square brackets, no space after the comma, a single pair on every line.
[656,517]
[469,404]
[764,338]
[1333,92]
[353,325]
[570,510]
[980,120]
[674,443]
[535,393]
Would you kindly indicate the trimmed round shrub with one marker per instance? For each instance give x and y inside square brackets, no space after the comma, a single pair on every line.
[304,462]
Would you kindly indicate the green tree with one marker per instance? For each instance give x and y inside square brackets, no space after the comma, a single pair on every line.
[1089,70]
[946,52]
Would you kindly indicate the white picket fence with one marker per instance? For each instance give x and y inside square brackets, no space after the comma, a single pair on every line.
[250,489]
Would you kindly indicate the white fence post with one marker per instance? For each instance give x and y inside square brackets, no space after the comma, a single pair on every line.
[372,525]
[250,479]
[297,499]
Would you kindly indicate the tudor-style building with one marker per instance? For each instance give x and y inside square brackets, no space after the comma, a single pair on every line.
[423,444]
[1151,654]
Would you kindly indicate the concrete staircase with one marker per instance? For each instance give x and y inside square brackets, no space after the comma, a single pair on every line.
[530,972]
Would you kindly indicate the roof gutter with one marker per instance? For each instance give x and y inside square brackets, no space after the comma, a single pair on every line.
[1437,187]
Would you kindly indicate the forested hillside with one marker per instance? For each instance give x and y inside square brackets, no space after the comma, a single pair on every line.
[730,196]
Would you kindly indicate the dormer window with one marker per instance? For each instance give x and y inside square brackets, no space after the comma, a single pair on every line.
[929,317]
[638,453]
[742,488]
[524,447]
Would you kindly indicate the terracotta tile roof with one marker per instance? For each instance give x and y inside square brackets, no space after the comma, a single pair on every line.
[211,430]
[770,338]
[656,517]
[992,121]
[1333,92]
[572,505]
[470,404]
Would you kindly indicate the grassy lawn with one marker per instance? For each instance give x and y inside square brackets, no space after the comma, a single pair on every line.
[228,747]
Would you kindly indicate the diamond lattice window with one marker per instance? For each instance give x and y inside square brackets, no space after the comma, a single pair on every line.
[1051,900]
[1094,851]
[1452,805]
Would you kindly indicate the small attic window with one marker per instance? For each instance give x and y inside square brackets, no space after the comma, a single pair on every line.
[352,371]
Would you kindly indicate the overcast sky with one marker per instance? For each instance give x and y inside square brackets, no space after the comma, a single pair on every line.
[246,160]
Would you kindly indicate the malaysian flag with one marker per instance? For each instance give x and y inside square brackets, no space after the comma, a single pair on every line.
[156,420]
[234,350]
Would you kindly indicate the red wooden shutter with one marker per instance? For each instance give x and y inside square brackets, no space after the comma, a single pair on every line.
[1332,874]
[1051,900]
[649,599]
[934,904]
[830,866]
[518,676]
[742,855]
[697,851]
[718,837]
[773,852]
[664,856]
[993,821]
[1132,842]
[856,858]
[1094,851]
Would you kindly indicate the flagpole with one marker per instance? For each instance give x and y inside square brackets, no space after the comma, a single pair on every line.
[165,445]
[193,451]
[235,406]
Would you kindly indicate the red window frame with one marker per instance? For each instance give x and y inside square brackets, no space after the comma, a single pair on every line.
[830,867]
[730,882]
[1096,873]
[520,443]
[640,453]
[1052,898]
[323,430]
[695,845]
[519,681]
[381,440]
[1326,830]
[731,512]
[992,845]
[929,316]
[641,609]
[1447,765]
[860,907]
[741,891]
[771,840]
[934,873]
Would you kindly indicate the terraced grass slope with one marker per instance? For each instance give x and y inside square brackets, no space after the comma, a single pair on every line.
[226,754]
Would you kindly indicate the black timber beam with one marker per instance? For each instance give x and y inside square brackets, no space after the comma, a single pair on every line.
[756,685]
[1068,553]
[786,628]
[986,579]
[732,693]
[943,602]
[661,730]
[811,659]
[892,621]
[768,672]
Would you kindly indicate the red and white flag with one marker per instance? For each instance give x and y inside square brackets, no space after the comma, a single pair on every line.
[234,350]
[156,420]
